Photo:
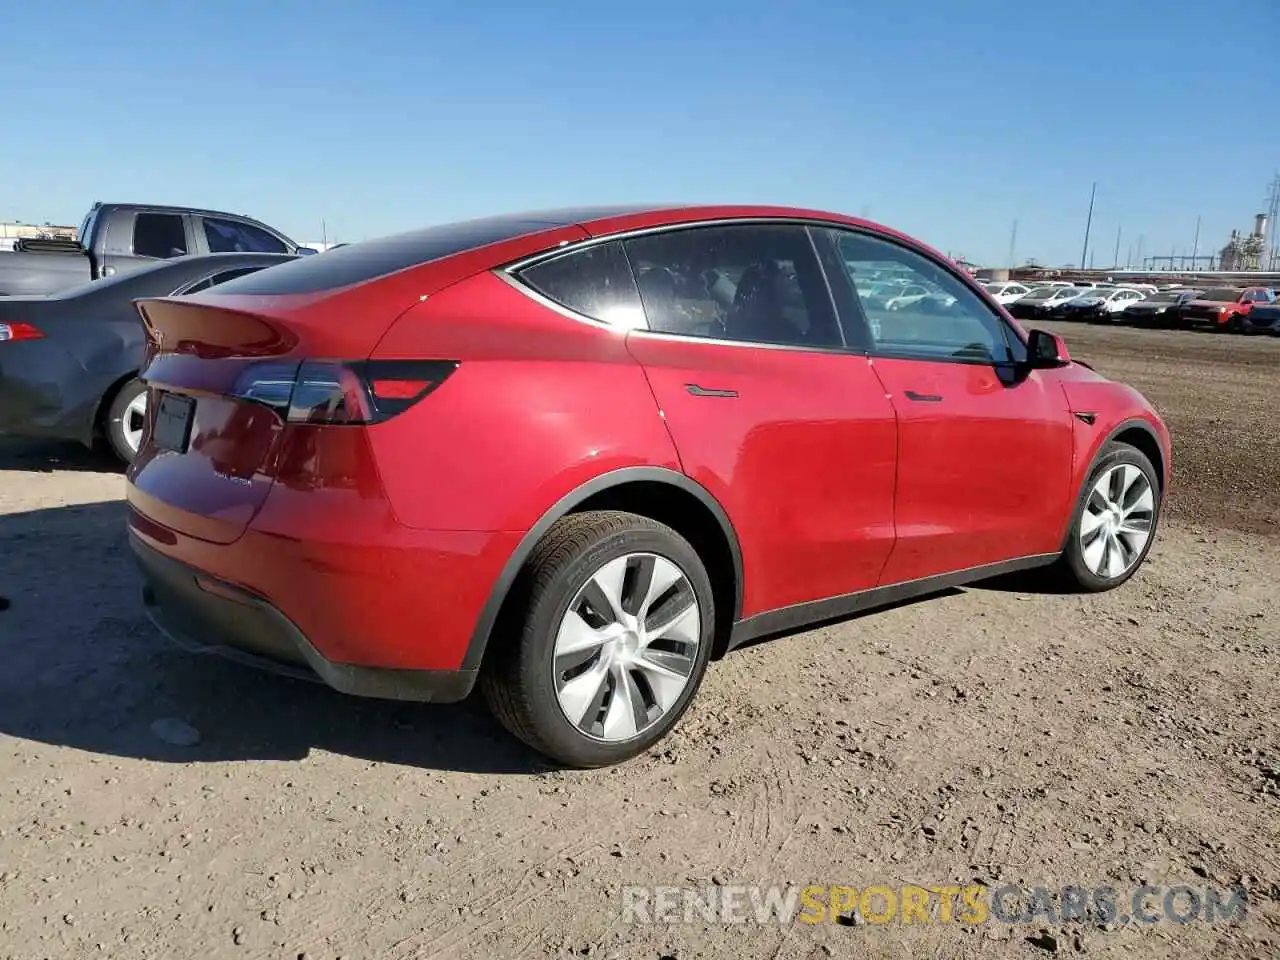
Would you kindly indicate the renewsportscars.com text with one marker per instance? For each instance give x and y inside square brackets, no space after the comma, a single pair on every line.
[909,903]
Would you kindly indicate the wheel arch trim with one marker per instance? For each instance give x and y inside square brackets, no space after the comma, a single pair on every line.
[1099,451]
[565,505]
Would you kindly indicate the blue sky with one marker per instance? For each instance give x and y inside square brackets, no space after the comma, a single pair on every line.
[948,120]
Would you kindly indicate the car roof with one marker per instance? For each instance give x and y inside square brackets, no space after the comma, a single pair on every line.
[488,242]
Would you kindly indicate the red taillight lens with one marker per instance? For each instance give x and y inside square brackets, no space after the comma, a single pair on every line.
[338,392]
[19,331]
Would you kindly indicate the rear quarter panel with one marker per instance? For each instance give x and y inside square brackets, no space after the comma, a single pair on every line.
[540,404]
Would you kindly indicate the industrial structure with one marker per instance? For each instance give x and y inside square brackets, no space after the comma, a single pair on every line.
[1246,252]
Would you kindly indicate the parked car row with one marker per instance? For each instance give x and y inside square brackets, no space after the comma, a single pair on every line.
[1226,308]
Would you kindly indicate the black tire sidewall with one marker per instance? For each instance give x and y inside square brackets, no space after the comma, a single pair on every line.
[114,426]
[1112,455]
[560,738]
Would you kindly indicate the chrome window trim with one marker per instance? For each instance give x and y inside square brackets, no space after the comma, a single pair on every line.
[508,271]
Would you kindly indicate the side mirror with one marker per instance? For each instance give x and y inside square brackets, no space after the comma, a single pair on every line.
[307,251]
[1046,350]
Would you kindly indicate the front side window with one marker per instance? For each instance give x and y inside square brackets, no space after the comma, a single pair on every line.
[937,317]
[231,236]
[595,282]
[159,235]
[759,283]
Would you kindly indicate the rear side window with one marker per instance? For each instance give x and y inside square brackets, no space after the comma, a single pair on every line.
[159,235]
[231,236]
[595,282]
[370,259]
[218,278]
[757,283]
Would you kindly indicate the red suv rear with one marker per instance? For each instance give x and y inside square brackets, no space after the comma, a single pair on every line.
[575,455]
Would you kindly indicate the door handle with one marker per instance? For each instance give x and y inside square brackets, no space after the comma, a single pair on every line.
[924,397]
[698,391]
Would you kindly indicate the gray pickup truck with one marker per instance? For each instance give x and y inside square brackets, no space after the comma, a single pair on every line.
[117,238]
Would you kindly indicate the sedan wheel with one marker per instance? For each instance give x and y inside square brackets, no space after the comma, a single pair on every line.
[135,415]
[125,420]
[607,641]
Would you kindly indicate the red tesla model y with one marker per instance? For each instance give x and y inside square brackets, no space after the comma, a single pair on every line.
[572,456]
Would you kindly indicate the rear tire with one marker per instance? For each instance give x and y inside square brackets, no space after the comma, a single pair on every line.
[607,640]
[1115,521]
[123,426]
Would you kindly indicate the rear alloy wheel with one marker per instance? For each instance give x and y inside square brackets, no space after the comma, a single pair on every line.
[616,636]
[125,419]
[1115,521]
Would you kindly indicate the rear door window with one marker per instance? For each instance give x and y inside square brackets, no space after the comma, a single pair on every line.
[754,282]
[159,235]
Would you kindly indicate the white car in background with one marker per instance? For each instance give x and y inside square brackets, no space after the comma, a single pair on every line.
[1117,300]
[916,293]
[1100,303]
[1005,291]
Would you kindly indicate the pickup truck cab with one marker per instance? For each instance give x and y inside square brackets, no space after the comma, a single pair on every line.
[118,238]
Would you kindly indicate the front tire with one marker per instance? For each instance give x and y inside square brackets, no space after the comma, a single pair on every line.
[609,642]
[125,418]
[1115,521]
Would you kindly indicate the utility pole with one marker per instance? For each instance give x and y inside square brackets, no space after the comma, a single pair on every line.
[1141,264]
[1116,259]
[1195,244]
[1013,244]
[1273,214]
[1088,225]
[324,233]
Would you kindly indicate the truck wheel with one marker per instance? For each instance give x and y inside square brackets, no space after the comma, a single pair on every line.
[125,417]
[610,641]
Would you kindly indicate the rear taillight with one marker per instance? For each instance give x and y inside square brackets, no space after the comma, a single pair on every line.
[19,331]
[341,392]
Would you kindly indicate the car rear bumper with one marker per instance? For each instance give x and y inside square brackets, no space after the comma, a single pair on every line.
[206,614]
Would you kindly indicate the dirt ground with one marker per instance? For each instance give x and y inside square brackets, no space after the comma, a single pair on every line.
[985,736]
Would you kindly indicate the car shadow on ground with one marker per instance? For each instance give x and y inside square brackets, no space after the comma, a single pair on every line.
[46,456]
[84,668]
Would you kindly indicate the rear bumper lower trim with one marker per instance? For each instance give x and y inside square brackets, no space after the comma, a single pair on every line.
[231,622]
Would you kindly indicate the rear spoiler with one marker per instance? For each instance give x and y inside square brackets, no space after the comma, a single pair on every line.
[37,245]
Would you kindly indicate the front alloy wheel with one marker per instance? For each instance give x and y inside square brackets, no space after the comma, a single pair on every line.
[1115,521]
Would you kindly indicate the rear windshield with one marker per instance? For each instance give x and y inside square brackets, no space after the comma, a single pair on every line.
[358,262]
